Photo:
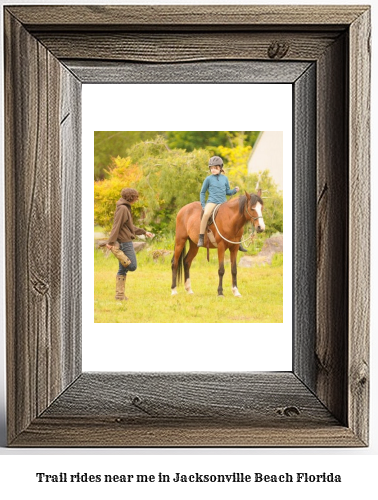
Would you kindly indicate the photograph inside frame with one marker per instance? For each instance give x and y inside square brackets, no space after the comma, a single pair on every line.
[188,226]
[331,349]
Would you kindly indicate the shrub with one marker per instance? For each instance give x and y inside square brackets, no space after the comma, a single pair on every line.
[120,174]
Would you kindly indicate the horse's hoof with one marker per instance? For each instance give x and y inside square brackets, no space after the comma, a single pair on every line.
[190,292]
[236,292]
[174,292]
[221,296]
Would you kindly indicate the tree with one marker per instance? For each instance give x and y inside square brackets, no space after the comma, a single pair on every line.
[119,175]
[235,162]
[209,140]
[171,178]
[108,145]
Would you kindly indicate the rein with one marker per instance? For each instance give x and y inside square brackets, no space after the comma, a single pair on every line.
[225,239]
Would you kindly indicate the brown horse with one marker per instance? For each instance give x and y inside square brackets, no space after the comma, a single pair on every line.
[230,220]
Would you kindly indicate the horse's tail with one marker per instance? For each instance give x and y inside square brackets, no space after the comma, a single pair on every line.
[180,264]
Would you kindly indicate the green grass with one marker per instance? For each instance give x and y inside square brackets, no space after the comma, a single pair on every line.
[150,300]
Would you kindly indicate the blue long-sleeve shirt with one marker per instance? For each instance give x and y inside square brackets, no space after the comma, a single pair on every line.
[218,188]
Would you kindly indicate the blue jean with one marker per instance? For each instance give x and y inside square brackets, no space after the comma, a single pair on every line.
[128,249]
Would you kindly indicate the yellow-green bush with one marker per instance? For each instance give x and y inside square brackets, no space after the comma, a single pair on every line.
[120,174]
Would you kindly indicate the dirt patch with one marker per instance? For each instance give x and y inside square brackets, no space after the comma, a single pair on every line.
[271,246]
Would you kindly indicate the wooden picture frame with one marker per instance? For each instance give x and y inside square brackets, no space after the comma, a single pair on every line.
[324,52]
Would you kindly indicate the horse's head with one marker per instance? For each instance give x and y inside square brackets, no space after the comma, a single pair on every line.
[254,208]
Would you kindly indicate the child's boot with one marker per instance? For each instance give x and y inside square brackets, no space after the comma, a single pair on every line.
[200,241]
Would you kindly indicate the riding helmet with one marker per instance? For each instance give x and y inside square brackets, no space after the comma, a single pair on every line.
[216,161]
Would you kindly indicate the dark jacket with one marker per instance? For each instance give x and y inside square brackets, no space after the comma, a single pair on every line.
[123,228]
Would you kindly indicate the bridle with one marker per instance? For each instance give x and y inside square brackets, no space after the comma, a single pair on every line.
[225,239]
[250,215]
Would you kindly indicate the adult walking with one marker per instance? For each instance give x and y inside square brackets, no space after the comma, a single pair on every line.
[122,234]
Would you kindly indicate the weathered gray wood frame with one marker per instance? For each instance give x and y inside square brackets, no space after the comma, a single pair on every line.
[49,53]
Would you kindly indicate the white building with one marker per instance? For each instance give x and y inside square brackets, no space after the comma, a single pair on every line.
[267,154]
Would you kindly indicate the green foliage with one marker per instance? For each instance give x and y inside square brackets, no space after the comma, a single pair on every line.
[107,192]
[236,161]
[110,144]
[167,179]
[170,179]
[210,140]
[273,201]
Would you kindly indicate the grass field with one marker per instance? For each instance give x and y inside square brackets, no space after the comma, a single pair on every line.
[150,300]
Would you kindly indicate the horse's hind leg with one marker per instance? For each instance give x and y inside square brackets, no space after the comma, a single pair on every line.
[179,248]
[193,250]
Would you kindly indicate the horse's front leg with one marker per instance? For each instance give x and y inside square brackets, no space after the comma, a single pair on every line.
[221,251]
[234,270]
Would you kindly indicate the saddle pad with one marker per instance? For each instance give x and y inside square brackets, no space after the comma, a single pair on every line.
[211,237]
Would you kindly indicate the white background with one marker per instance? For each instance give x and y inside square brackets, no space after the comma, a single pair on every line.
[357,466]
[187,347]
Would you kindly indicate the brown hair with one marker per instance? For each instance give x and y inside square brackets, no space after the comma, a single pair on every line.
[221,171]
[129,194]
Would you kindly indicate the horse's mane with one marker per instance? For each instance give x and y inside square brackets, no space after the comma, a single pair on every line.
[243,200]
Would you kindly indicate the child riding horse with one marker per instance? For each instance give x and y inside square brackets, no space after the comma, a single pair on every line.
[218,187]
